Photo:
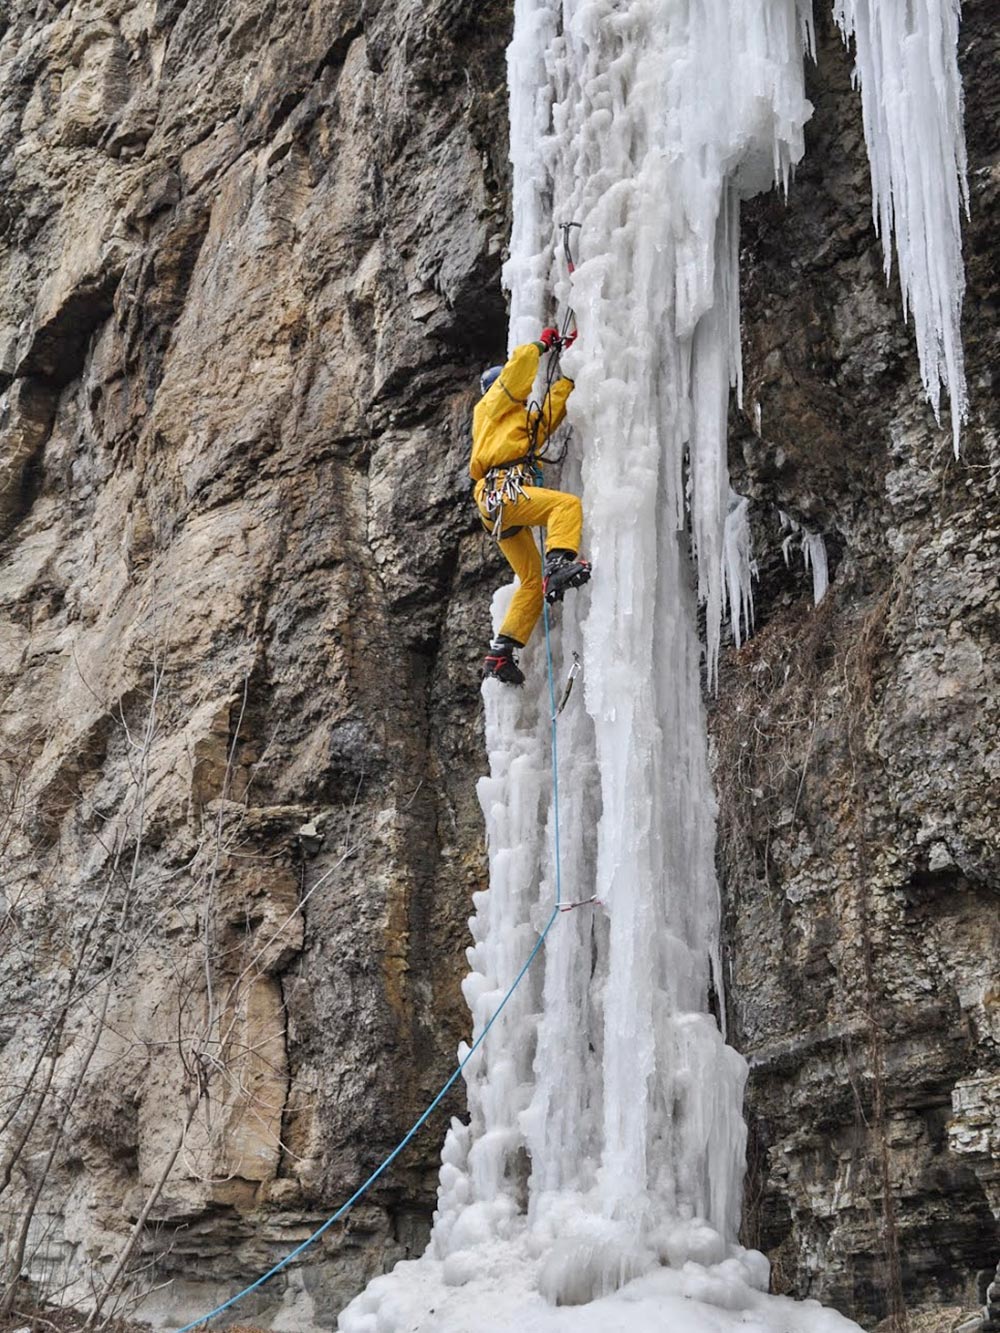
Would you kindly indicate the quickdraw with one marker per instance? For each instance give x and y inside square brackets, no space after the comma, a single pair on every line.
[574,671]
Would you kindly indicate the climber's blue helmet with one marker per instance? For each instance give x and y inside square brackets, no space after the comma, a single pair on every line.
[488,377]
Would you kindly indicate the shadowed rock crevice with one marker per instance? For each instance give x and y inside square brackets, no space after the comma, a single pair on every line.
[57,348]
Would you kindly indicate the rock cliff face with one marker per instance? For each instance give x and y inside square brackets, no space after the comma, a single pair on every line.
[250,270]
[857,745]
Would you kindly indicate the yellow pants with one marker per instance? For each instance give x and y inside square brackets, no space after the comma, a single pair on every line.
[561,515]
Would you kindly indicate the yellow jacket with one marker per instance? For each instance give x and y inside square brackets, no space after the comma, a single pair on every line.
[501,423]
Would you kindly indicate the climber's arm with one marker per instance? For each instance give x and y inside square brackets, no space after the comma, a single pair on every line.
[519,373]
[553,411]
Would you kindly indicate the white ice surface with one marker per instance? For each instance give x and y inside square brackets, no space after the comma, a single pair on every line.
[496,1290]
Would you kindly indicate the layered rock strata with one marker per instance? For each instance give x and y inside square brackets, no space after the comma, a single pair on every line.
[250,274]
[857,744]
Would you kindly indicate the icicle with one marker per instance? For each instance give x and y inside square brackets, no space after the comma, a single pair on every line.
[813,549]
[814,556]
[740,567]
[911,100]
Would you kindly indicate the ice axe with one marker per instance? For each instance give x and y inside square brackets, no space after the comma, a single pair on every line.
[566,228]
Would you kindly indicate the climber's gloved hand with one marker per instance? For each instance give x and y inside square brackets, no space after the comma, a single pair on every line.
[549,338]
[570,339]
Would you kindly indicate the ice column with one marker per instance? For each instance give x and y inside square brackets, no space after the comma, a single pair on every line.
[480,1186]
[645,122]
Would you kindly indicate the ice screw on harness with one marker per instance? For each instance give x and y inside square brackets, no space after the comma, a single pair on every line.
[504,485]
[566,228]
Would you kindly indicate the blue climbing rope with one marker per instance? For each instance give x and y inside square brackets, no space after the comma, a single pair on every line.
[555,750]
[422,1119]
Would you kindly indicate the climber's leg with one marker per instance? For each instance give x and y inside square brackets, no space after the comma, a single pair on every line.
[525,607]
[561,514]
[558,512]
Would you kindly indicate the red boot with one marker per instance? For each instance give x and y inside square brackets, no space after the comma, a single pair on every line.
[500,662]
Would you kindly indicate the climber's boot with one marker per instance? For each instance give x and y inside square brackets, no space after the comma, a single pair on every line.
[500,662]
[563,570]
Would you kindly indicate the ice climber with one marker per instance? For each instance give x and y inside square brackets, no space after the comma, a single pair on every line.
[508,436]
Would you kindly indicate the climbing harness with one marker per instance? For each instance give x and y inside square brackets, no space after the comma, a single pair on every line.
[449,1084]
[503,485]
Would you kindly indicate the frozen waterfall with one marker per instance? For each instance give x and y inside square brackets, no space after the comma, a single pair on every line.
[602,1165]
